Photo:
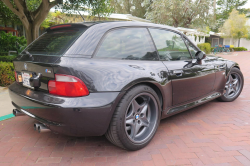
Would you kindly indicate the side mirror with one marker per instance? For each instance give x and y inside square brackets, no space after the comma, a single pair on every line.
[200,55]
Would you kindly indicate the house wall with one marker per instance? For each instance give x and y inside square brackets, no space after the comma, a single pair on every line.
[243,42]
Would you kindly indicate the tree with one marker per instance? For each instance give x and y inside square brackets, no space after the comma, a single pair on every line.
[33,12]
[184,13]
[31,17]
[137,8]
[100,8]
[225,7]
[235,26]
[6,15]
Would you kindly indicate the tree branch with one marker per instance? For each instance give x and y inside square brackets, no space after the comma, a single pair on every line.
[52,4]
[36,12]
[19,12]
[11,7]
[18,5]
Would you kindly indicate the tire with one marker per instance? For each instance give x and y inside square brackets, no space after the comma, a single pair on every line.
[134,131]
[233,90]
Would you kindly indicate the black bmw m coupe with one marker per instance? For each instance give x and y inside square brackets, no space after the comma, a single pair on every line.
[117,79]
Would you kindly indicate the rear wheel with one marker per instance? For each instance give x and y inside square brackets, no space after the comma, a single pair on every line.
[234,86]
[135,119]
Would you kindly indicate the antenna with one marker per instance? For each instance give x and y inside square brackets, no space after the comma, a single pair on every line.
[81,16]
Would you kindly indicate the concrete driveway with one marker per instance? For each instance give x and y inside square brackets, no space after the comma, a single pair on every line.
[6,107]
[215,133]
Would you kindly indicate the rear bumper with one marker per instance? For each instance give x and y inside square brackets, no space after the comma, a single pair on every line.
[81,116]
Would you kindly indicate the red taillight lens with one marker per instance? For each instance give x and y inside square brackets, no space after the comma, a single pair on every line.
[16,77]
[65,85]
[60,26]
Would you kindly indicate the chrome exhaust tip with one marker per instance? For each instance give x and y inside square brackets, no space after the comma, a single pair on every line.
[43,129]
[16,112]
[36,126]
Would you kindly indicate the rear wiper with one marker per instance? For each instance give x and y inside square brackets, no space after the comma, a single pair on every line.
[27,52]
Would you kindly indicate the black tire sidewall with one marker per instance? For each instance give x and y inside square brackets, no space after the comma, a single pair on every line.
[127,143]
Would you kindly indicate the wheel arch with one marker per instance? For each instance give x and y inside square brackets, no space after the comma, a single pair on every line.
[230,66]
[152,85]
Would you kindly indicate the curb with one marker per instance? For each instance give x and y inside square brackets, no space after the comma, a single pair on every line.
[6,117]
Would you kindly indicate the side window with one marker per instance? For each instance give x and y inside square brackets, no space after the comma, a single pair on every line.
[170,45]
[128,43]
[193,50]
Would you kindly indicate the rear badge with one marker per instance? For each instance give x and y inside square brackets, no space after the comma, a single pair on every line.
[47,71]
[25,66]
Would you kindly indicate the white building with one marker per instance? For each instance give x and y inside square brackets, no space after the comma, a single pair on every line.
[243,42]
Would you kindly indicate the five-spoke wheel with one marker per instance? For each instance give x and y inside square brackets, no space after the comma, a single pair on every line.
[135,119]
[234,85]
[141,117]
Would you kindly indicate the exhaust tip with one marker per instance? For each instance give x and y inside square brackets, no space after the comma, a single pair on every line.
[16,112]
[35,127]
[42,129]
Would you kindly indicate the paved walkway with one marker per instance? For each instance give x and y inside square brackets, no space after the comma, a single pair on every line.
[6,107]
[212,134]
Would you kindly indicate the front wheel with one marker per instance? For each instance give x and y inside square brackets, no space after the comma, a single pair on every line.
[135,119]
[234,86]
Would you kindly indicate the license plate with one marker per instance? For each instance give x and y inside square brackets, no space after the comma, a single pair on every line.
[26,79]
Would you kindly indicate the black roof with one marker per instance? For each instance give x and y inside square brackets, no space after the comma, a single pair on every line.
[128,23]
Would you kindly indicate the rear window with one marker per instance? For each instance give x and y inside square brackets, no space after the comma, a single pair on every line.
[54,43]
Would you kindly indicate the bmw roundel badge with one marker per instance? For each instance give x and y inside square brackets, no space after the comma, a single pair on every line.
[25,66]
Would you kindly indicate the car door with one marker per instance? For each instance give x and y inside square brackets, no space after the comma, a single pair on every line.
[204,72]
[190,80]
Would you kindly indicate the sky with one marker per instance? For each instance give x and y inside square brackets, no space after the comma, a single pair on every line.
[247,5]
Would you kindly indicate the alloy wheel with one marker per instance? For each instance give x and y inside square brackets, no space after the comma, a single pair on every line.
[233,85]
[141,117]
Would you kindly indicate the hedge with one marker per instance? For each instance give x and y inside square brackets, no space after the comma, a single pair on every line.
[235,49]
[7,58]
[240,49]
[206,47]
[7,75]
[3,53]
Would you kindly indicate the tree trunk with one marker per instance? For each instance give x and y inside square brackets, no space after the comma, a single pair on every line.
[32,33]
[214,9]
[31,20]
[239,42]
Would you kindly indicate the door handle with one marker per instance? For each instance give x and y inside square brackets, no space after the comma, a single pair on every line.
[178,73]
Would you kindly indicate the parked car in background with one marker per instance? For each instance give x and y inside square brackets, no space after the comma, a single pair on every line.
[117,79]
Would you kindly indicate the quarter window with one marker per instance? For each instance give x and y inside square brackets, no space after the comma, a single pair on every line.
[193,50]
[128,43]
[170,45]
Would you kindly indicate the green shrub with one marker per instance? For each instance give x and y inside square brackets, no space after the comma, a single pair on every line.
[7,58]
[8,42]
[7,75]
[206,47]
[3,53]
[240,49]
[235,49]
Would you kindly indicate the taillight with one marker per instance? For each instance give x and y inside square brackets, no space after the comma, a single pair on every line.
[16,77]
[65,85]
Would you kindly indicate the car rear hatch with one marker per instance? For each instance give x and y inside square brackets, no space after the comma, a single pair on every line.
[34,67]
